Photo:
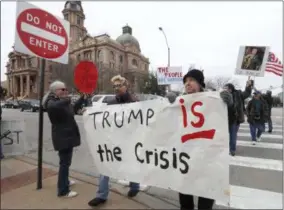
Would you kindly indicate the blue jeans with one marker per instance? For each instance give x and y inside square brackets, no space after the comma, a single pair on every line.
[65,158]
[256,130]
[233,133]
[103,190]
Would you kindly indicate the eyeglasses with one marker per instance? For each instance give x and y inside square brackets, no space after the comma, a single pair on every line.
[117,86]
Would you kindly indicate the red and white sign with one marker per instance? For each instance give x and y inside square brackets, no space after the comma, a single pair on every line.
[41,34]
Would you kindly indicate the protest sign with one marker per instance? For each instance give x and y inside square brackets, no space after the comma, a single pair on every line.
[13,138]
[86,76]
[169,75]
[143,141]
[252,60]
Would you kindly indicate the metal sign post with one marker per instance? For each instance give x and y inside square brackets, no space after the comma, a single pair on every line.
[40,124]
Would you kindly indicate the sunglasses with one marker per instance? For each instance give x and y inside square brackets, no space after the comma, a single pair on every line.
[117,86]
[62,89]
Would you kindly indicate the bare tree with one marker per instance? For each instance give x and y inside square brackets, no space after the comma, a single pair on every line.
[218,82]
[63,72]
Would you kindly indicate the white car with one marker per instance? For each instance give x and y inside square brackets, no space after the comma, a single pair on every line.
[102,98]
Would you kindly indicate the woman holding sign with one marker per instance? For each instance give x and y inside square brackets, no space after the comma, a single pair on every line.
[120,86]
[65,132]
[194,83]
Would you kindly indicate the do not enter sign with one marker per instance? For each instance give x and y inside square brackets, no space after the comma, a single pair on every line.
[41,33]
[86,77]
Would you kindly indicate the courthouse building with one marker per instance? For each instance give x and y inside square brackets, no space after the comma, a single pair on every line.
[121,56]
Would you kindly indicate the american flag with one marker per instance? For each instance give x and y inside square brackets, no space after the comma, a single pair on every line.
[274,65]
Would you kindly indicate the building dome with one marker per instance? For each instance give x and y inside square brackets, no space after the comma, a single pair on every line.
[127,38]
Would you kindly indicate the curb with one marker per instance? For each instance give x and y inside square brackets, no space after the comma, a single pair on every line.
[143,198]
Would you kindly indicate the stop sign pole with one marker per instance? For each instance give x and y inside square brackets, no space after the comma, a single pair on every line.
[40,125]
[41,34]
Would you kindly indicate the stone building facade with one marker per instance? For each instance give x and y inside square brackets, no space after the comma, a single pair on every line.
[121,56]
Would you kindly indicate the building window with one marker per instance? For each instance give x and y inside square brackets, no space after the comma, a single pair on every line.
[66,16]
[100,55]
[73,6]
[78,20]
[145,66]
[88,55]
[30,64]
[120,59]
[112,57]
[134,62]
[79,57]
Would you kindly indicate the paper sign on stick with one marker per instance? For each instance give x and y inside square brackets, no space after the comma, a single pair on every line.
[252,60]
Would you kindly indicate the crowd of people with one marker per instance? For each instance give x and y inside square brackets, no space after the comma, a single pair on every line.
[66,134]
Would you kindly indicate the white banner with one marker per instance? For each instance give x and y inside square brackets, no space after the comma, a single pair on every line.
[169,76]
[13,137]
[181,146]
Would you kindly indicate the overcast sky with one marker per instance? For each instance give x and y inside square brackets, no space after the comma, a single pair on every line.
[202,33]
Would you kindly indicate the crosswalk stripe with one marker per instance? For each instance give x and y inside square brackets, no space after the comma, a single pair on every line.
[260,163]
[274,126]
[271,136]
[274,129]
[249,198]
[260,145]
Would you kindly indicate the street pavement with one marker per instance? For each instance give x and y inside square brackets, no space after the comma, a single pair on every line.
[256,172]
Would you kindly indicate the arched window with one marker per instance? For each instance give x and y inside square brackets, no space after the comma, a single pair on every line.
[112,57]
[120,59]
[100,55]
[134,62]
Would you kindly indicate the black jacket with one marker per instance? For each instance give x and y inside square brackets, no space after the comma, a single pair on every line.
[122,99]
[251,114]
[236,112]
[65,131]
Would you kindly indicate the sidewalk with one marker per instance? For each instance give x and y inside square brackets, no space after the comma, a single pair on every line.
[18,189]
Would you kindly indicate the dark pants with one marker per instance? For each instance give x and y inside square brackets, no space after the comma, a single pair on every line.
[187,202]
[65,158]
[256,130]
[233,133]
[269,122]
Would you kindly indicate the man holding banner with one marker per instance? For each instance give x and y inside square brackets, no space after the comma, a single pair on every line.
[120,86]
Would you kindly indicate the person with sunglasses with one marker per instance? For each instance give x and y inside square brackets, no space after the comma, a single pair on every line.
[65,132]
[122,96]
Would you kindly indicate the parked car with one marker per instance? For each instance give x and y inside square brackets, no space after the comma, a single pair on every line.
[102,98]
[32,105]
[11,104]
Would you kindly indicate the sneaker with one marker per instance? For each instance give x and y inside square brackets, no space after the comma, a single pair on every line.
[132,193]
[72,182]
[96,202]
[270,131]
[258,139]
[253,143]
[71,194]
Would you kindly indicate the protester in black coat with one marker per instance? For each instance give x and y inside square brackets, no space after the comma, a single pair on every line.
[236,113]
[64,130]
[269,101]
[194,83]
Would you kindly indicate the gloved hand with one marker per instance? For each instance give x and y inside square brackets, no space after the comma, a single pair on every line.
[227,97]
[171,97]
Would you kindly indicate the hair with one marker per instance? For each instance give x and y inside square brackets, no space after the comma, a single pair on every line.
[52,88]
[119,78]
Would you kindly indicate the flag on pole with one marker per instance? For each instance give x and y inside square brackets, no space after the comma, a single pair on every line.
[274,65]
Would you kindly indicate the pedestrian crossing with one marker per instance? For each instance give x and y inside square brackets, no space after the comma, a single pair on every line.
[256,172]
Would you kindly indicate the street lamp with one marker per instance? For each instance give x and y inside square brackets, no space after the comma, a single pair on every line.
[169,50]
